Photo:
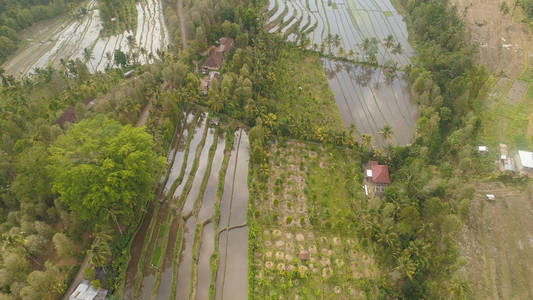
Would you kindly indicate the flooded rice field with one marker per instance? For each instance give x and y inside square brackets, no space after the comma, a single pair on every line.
[232,274]
[352,21]
[204,268]
[185,261]
[51,42]
[171,253]
[365,96]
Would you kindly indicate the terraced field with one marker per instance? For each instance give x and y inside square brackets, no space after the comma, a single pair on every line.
[175,253]
[365,96]
[51,42]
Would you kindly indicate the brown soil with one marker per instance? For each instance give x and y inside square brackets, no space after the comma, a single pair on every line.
[497,245]
[503,41]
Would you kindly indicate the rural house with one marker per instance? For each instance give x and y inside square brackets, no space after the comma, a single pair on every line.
[215,57]
[376,178]
[85,291]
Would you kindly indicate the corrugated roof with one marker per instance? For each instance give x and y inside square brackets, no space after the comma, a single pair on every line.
[526,159]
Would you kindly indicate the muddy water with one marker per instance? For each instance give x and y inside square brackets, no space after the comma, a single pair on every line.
[222,251]
[207,247]
[365,98]
[353,21]
[135,252]
[239,204]
[193,147]
[200,172]
[232,273]
[165,284]
[236,270]
[50,41]
[179,153]
[225,203]
[185,261]
[208,202]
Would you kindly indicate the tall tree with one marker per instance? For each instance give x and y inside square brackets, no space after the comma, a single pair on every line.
[100,165]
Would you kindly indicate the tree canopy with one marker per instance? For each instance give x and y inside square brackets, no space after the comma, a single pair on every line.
[101,169]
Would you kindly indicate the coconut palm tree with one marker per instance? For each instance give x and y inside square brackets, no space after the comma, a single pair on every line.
[386,132]
[100,250]
[389,41]
[367,140]
[131,42]
[397,49]
[88,55]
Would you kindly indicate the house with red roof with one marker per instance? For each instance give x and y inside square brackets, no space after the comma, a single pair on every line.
[377,178]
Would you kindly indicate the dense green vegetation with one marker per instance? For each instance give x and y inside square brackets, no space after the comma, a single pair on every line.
[104,170]
[49,196]
[16,15]
[118,15]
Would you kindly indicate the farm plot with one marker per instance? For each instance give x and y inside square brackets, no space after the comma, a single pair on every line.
[55,42]
[497,242]
[362,30]
[304,246]
[352,21]
[172,253]
[232,272]
[367,99]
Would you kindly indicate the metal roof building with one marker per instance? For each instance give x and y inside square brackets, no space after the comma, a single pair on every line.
[526,159]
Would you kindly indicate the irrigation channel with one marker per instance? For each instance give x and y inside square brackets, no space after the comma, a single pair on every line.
[196,227]
[364,95]
[49,42]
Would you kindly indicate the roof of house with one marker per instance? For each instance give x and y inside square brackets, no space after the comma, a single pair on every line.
[69,116]
[526,159]
[85,291]
[380,174]
[214,60]
[225,44]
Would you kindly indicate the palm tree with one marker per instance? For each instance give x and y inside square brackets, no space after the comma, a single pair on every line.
[88,55]
[336,40]
[386,132]
[131,42]
[389,41]
[100,250]
[367,140]
[397,49]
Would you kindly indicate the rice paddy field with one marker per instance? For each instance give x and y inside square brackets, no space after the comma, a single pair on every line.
[50,42]
[192,243]
[303,246]
[365,97]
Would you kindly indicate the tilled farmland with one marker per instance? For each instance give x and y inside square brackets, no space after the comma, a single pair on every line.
[193,241]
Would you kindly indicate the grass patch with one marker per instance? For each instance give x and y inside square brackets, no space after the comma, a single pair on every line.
[508,124]
[387,13]
[305,102]
[157,255]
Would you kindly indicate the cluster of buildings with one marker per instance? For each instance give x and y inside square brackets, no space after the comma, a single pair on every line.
[213,63]
[521,162]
